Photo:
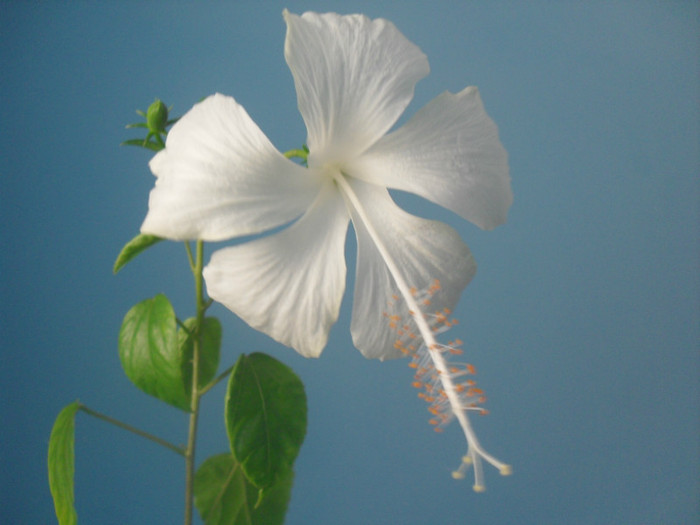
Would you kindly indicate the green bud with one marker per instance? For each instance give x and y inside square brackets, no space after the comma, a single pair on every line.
[157,117]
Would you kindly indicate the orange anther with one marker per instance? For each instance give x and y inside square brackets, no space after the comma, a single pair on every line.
[471,369]
[417,384]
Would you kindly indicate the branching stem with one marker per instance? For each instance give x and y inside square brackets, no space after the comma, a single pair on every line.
[202,305]
[133,430]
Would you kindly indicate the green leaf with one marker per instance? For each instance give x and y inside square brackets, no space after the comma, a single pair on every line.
[132,248]
[223,495]
[208,353]
[62,464]
[149,351]
[265,417]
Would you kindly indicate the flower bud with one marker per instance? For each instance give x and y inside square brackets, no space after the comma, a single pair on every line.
[157,117]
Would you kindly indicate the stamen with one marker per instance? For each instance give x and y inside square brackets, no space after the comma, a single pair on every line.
[446,386]
[425,323]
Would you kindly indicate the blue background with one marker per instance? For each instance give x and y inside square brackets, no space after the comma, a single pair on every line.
[582,320]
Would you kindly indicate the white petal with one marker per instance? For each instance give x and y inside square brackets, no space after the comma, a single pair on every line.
[354,77]
[423,251]
[449,153]
[219,177]
[290,284]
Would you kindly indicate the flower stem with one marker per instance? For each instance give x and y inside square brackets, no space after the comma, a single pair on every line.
[133,430]
[196,394]
[296,153]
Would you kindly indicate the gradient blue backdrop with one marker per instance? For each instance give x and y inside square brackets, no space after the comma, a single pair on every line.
[582,320]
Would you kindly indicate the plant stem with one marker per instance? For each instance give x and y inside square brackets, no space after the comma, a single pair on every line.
[298,153]
[131,429]
[194,400]
[223,375]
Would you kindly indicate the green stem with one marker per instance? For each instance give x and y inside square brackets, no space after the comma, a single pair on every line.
[131,429]
[190,258]
[196,394]
[223,375]
[298,153]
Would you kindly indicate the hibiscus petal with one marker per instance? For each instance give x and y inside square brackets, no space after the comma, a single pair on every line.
[449,153]
[424,251]
[290,284]
[219,177]
[354,77]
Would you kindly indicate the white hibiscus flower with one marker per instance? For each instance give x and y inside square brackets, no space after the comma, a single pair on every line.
[219,177]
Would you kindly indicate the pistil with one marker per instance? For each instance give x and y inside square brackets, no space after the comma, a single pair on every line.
[417,337]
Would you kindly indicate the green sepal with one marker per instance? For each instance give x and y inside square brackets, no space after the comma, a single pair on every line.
[149,351]
[137,125]
[208,353]
[61,464]
[224,496]
[154,146]
[265,416]
[134,247]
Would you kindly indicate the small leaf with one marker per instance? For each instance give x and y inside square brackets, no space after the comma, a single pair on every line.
[223,495]
[208,354]
[132,248]
[265,417]
[62,464]
[149,351]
